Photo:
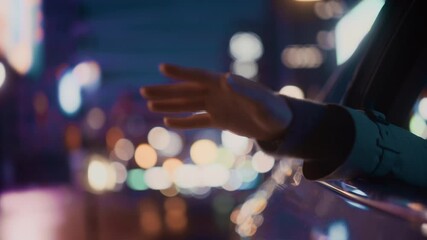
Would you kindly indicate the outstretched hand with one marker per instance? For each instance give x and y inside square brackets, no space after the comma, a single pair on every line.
[224,101]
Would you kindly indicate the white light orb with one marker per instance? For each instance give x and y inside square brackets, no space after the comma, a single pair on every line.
[246,47]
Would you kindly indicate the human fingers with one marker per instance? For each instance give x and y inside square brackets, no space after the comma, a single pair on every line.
[173,91]
[177,105]
[202,120]
[188,74]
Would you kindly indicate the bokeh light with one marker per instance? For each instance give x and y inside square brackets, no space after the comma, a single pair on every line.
[338,231]
[252,206]
[329,9]
[88,74]
[159,138]
[239,145]
[292,91]
[124,149]
[69,94]
[225,157]
[422,108]
[38,220]
[136,180]
[214,175]
[324,10]
[200,192]
[157,178]
[170,192]
[96,118]
[234,181]
[246,47]
[245,69]
[247,230]
[417,125]
[251,184]
[171,165]
[304,56]
[424,229]
[145,156]
[258,220]
[234,214]
[248,217]
[203,151]
[187,176]
[174,146]
[101,176]
[2,74]
[120,172]
[326,39]
[262,162]
[246,171]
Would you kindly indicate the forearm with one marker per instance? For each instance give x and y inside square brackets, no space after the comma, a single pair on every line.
[338,142]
